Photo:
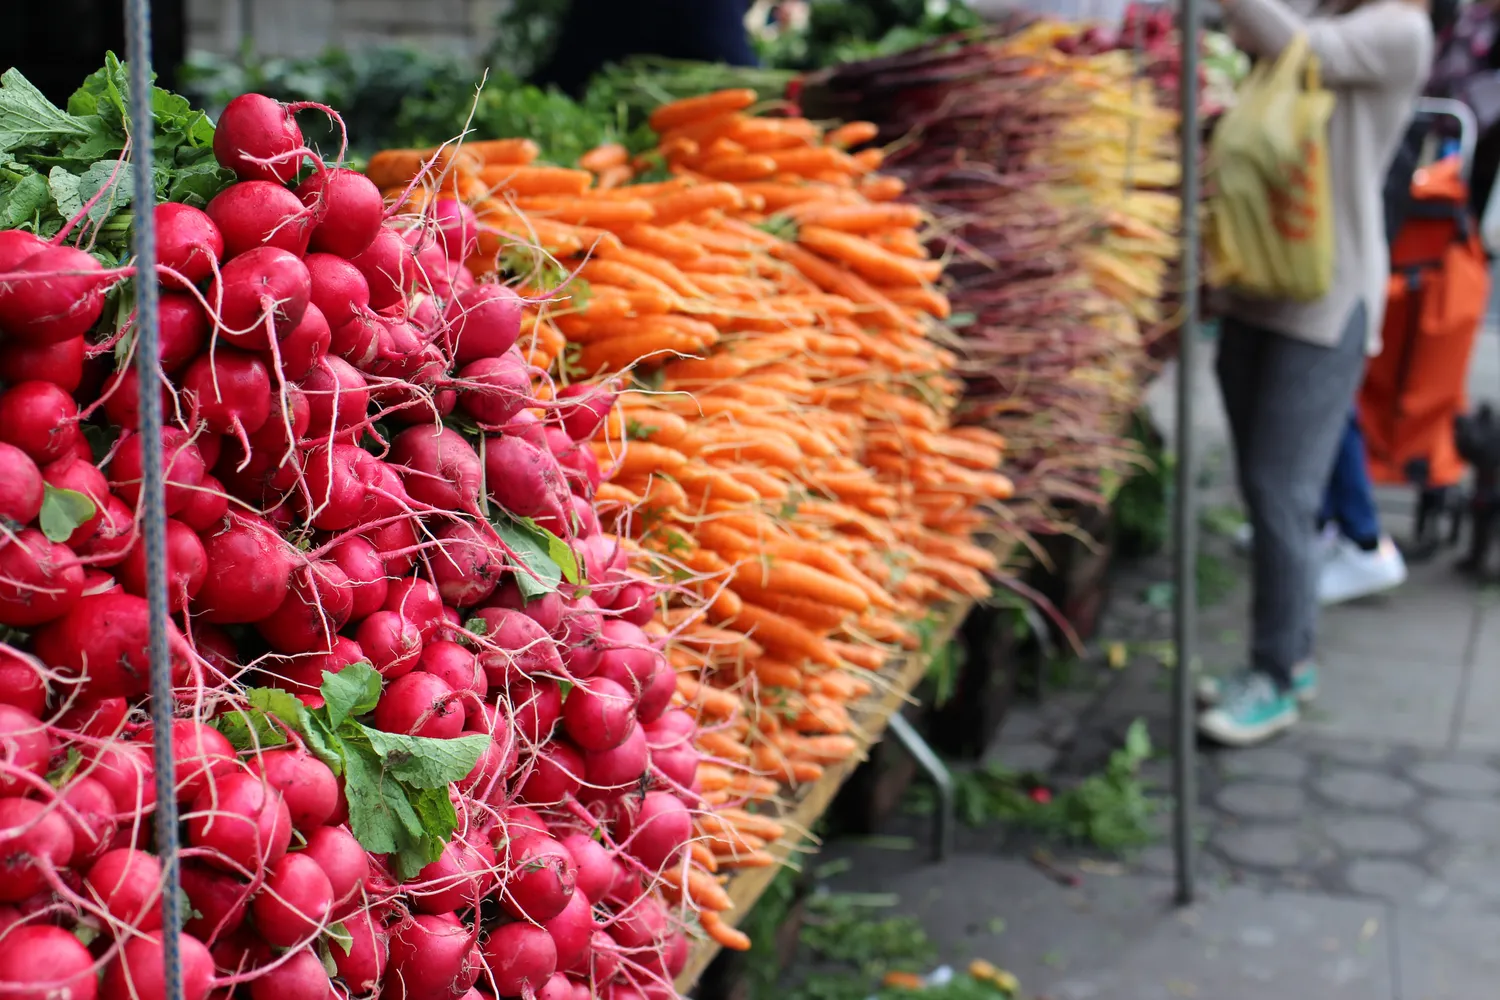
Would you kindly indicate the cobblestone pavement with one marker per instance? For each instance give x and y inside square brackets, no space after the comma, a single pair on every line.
[1358,856]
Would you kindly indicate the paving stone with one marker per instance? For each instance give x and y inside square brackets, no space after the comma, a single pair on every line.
[1448,956]
[1023,758]
[1375,834]
[1456,777]
[1270,763]
[1358,752]
[1388,696]
[1359,789]
[1261,800]
[1472,820]
[1386,879]
[1262,846]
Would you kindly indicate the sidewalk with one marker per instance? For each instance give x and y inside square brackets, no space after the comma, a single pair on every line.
[1358,857]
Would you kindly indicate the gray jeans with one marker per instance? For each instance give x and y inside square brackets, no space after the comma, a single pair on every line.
[1287,402]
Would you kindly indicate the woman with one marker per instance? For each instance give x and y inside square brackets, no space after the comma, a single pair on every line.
[1288,370]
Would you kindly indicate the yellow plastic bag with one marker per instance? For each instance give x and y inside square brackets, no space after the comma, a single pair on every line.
[1270,211]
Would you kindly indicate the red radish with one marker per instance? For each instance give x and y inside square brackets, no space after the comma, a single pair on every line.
[262,288]
[348,207]
[57,294]
[642,925]
[300,976]
[657,695]
[40,418]
[540,877]
[40,581]
[604,958]
[305,345]
[341,857]
[607,771]
[367,580]
[654,828]
[484,322]
[678,764]
[254,214]
[342,481]
[228,390]
[521,958]
[388,268]
[99,718]
[122,398]
[127,883]
[419,602]
[524,479]
[338,289]
[310,790]
[24,746]
[307,671]
[399,353]
[636,603]
[626,656]
[60,363]
[579,465]
[546,609]
[599,714]
[357,341]
[187,566]
[486,779]
[557,772]
[73,473]
[458,228]
[536,705]
[183,468]
[125,770]
[21,683]
[188,242]
[456,665]
[138,970]
[394,541]
[254,127]
[21,486]
[250,570]
[468,563]
[184,328]
[515,818]
[438,467]
[527,426]
[420,704]
[677,954]
[316,607]
[429,958]
[204,509]
[336,397]
[202,754]
[596,875]
[45,962]
[572,931]
[17,245]
[493,390]
[557,987]
[221,900]
[391,643]
[33,839]
[362,967]
[515,646]
[295,902]
[243,821]
[457,880]
[587,407]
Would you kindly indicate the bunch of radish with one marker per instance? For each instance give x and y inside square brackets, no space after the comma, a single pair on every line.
[354,443]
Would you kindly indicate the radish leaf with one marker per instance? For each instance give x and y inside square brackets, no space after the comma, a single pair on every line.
[64,186]
[28,118]
[63,512]
[539,573]
[350,692]
[424,762]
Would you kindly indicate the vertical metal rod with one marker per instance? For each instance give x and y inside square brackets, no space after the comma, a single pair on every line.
[1185,514]
[153,506]
[928,760]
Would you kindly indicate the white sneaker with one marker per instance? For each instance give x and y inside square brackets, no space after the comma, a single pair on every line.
[1350,572]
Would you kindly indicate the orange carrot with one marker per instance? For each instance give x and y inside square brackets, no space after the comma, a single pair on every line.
[603,157]
[691,109]
[662,242]
[869,260]
[721,933]
[587,211]
[516,151]
[852,134]
[695,201]
[531,180]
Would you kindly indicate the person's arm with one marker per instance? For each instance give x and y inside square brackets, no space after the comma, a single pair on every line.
[1377,43]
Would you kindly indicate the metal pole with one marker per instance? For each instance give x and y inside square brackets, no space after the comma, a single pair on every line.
[153,504]
[1185,514]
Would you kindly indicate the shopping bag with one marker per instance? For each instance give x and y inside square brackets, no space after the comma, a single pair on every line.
[1270,209]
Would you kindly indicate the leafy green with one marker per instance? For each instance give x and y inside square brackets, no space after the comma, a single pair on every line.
[27,118]
[546,559]
[63,512]
[396,785]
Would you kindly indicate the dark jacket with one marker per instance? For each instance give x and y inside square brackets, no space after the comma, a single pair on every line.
[599,32]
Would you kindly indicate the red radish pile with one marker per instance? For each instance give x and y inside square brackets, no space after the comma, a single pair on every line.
[361,468]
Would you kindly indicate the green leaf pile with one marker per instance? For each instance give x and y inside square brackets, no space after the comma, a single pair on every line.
[396,785]
[53,160]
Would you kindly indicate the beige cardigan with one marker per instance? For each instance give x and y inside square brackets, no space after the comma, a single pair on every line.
[1375,59]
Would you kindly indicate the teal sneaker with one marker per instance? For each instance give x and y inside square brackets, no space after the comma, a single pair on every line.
[1252,711]
[1210,689]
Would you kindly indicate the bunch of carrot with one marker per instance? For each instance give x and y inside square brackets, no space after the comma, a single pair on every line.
[784,449]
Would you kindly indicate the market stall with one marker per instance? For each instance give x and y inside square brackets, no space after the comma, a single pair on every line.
[517,556]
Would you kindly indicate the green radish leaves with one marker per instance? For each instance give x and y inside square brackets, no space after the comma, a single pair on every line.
[64,512]
[396,785]
[27,118]
[546,559]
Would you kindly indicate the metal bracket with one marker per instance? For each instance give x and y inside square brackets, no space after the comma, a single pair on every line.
[928,760]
